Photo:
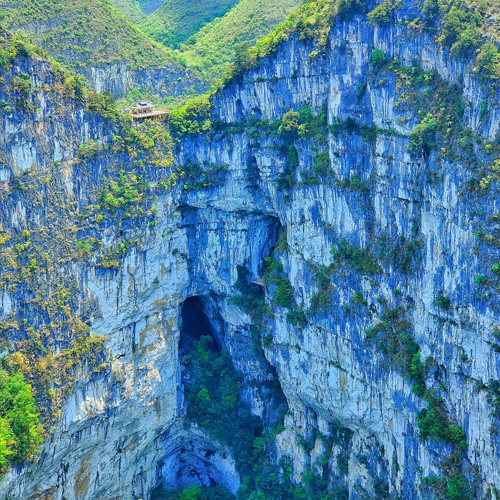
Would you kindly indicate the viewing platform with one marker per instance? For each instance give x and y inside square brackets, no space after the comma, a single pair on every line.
[146,110]
[259,282]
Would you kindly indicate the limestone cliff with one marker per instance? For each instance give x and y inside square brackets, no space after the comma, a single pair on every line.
[387,239]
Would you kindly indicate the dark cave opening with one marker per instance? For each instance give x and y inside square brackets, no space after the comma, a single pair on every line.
[216,444]
[197,463]
[195,324]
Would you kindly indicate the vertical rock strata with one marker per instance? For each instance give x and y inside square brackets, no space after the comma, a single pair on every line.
[121,430]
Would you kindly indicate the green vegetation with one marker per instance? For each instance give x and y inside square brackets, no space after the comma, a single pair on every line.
[193,117]
[441,122]
[354,184]
[274,275]
[126,192]
[322,164]
[442,301]
[226,39]
[208,34]
[322,300]
[176,20]
[85,33]
[434,424]
[358,299]
[493,396]
[383,13]
[286,179]
[464,28]
[351,126]
[405,255]
[457,487]
[460,31]
[392,335]
[213,394]
[378,60]
[20,428]
[297,317]
[360,260]
[283,295]
[251,299]
[423,136]
[488,62]
[193,493]
[14,46]
[131,9]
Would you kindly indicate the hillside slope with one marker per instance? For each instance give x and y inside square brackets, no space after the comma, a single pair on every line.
[176,20]
[94,38]
[137,10]
[131,9]
[213,47]
[149,6]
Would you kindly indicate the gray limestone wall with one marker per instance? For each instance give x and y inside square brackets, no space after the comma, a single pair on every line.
[119,432]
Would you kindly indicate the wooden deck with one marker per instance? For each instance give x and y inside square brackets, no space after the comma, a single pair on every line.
[152,114]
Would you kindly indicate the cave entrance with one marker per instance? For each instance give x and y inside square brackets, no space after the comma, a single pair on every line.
[196,461]
[195,324]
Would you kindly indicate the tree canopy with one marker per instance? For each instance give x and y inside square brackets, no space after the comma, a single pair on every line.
[20,428]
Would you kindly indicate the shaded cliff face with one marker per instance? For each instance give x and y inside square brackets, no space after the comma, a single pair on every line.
[411,233]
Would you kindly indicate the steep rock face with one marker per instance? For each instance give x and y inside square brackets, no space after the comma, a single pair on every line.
[119,78]
[326,366]
[121,431]
[47,130]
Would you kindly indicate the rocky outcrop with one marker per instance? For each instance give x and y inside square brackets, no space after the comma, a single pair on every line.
[48,129]
[119,79]
[120,429]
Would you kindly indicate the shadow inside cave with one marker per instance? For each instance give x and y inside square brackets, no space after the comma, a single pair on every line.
[196,461]
[195,324]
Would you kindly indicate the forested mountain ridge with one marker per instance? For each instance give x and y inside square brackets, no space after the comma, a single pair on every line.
[207,34]
[176,20]
[80,33]
[95,39]
[215,45]
[131,9]
[121,56]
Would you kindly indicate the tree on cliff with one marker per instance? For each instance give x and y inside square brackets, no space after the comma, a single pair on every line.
[20,428]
